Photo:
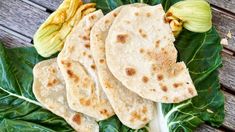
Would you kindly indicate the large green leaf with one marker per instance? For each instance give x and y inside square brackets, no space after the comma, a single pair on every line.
[114,125]
[19,110]
[201,53]
[109,5]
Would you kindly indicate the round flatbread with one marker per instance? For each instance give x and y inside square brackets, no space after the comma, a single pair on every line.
[49,89]
[132,110]
[84,92]
[140,53]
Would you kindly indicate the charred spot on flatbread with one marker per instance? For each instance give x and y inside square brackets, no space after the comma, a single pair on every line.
[66,63]
[114,14]
[135,116]
[122,38]
[157,43]
[136,13]
[85,102]
[87,46]
[176,85]
[148,14]
[104,112]
[141,50]
[142,33]
[145,79]
[176,100]
[93,66]
[130,71]
[160,77]
[92,17]
[165,98]
[164,88]
[107,21]
[77,118]
[191,91]
[72,75]
[101,61]
[144,110]
[52,82]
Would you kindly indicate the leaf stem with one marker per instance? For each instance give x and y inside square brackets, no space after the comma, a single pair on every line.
[22,97]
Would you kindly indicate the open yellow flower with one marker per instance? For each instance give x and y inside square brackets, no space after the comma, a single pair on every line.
[51,35]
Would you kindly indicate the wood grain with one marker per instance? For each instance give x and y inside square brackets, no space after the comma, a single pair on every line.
[206,128]
[49,4]
[21,17]
[225,4]
[225,23]
[227,72]
[229,110]
[10,40]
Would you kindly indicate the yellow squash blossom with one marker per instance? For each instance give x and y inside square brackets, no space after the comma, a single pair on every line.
[51,35]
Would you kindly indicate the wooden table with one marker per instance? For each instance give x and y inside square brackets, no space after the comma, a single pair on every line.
[19,19]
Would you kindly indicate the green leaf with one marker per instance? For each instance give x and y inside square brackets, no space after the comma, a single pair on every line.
[202,56]
[114,125]
[110,125]
[201,53]
[108,5]
[168,3]
[19,110]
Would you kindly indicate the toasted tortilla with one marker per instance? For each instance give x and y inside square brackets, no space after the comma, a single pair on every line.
[140,53]
[132,110]
[49,89]
[84,92]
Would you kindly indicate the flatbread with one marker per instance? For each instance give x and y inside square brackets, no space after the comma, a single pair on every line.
[132,110]
[84,92]
[49,89]
[140,53]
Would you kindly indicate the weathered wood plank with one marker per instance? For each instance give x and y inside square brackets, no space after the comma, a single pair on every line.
[226,4]
[49,4]
[225,23]
[229,111]
[53,4]
[206,128]
[21,17]
[11,40]
[227,72]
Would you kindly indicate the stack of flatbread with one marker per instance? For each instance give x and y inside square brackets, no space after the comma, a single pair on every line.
[120,63]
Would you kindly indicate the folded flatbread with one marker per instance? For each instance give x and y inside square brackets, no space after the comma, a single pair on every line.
[49,89]
[132,110]
[84,92]
[140,53]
